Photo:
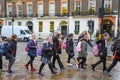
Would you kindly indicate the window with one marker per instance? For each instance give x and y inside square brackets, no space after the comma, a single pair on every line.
[0,9]
[9,23]
[19,24]
[40,26]
[19,10]
[52,9]
[40,9]
[107,6]
[22,32]
[64,8]
[51,26]
[9,10]
[77,7]
[77,27]
[92,4]
[30,10]
[92,7]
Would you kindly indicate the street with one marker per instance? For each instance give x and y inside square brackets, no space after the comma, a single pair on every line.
[71,73]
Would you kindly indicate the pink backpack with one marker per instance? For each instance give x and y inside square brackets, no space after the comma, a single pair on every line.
[64,44]
[78,47]
[96,50]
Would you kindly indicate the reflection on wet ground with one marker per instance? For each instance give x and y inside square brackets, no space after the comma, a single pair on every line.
[71,73]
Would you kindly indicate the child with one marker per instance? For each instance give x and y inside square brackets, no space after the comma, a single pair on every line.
[47,53]
[116,51]
[83,53]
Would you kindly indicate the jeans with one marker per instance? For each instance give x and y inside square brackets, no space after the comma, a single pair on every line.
[31,61]
[112,65]
[57,57]
[69,58]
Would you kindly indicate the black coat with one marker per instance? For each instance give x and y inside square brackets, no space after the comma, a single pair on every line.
[55,45]
[102,47]
[70,46]
[12,47]
[46,52]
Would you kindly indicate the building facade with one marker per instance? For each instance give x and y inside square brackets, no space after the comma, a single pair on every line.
[65,16]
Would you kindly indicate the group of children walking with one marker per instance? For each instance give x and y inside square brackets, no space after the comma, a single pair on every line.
[52,48]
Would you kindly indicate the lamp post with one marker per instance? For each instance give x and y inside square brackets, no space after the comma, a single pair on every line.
[68,15]
[12,26]
[102,11]
[118,15]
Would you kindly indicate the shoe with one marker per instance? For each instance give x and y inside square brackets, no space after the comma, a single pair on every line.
[33,69]
[78,66]
[40,74]
[70,65]
[54,72]
[26,66]
[107,73]
[82,69]
[93,68]
[8,73]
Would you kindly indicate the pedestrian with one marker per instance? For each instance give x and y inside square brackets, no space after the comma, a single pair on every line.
[88,41]
[102,52]
[116,58]
[82,35]
[1,62]
[11,53]
[83,53]
[32,44]
[70,48]
[47,53]
[57,41]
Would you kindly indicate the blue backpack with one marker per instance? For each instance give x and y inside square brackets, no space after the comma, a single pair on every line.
[3,49]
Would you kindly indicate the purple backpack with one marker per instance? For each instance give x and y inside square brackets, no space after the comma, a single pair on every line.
[39,52]
[27,48]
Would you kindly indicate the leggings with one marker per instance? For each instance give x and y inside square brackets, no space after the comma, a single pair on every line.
[31,61]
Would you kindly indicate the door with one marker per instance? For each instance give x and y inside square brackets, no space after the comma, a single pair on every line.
[64,31]
[30,28]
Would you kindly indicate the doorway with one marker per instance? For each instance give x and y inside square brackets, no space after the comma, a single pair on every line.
[63,25]
[30,26]
[107,27]
[64,31]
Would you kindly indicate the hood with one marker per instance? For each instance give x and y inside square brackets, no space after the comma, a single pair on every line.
[55,39]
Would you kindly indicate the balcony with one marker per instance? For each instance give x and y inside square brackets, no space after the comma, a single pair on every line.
[52,15]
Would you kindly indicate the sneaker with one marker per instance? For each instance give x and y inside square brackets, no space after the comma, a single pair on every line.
[70,65]
[78,66]
[54,72]
[40,74]
[33,69]
[107,73]
[93,68]
[26,66]
[82,69]
[8,73]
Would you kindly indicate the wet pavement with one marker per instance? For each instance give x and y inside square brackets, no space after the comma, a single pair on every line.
[71,73]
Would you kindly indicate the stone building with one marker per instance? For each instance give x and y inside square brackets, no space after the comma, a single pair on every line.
[66,16]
